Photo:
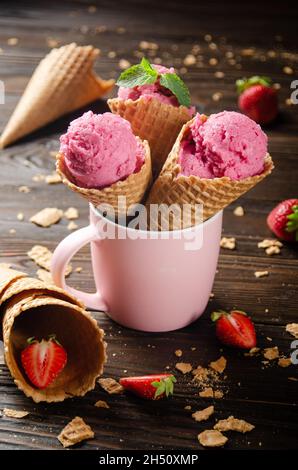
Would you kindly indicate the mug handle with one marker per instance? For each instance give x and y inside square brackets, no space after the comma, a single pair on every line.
[61,257]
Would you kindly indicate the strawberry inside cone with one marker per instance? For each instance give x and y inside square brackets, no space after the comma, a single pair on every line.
[151,387]
[43,361]
[234,329]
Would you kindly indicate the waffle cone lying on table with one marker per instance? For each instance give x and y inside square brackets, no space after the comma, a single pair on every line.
[213,162]
[62,82]
[101,159]
[146,100]
[47,326]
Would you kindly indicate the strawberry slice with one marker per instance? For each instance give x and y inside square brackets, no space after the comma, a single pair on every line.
[43,361]
[234,329]
[151,387]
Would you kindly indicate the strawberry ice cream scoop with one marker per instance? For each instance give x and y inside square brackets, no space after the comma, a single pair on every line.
[225,144]
[100,149]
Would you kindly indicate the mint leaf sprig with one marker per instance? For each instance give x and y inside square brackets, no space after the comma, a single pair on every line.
[145,74]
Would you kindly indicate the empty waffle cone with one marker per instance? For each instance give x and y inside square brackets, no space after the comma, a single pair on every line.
[28,286]
[7,277]
[62,82]
[214,194]
[133,188]
[157,122]
[74,328]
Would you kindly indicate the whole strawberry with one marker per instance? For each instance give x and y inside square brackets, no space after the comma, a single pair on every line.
[234,329]
[283,220]
[151,387]
[257,99]
[43,361]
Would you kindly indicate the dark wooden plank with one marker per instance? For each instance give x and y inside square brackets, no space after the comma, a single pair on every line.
[265,396]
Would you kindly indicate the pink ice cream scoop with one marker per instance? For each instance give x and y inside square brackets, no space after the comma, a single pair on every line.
[226,144]
[154,90]
[100,149]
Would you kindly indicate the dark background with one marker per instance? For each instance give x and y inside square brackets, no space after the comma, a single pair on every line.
[247,38]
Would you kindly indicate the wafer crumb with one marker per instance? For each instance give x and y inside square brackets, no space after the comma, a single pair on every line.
[228,243]
[272,250]
[42,256]
[207,393]
[284,362]
[271,353]
[187,407]
[184,367]
[20,216]
[212,438]
[123,64]
[203,415]
[54,178]
[238,211]
[259,274]
[219,365]
[47,217]
[101,404]
[74,432]
[178,352]
[72,225]
[252,352]
[267,243]
[233,424]
[111,386]
[38,178]
[18,414]
[292,328]
[24,189]
[71,213]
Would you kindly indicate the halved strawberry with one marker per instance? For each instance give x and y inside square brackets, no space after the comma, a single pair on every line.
[43,361]
[151,387]
[234,329]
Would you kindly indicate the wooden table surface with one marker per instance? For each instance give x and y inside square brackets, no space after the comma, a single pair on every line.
[252,40]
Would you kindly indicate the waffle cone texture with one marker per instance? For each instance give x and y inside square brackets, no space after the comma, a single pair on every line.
[62,82]
[156,122]
[30,308]
[133,188]
[214,194]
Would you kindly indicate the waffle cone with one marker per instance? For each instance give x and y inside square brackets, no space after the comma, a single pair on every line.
[7,277]
[62,82]
[28,286]
[157,122]
[214,194]
[75,329]
[133,188]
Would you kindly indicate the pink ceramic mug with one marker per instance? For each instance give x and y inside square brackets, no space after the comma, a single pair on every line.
[157,284]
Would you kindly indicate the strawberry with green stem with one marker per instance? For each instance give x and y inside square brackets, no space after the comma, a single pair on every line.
[257,98]
[283,220]
[43,361]
[151,387]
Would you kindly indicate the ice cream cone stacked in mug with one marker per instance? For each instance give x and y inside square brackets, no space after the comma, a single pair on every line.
[195,160]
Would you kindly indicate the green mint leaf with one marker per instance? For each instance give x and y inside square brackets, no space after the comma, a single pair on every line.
[147,66]
[173,82]
[137,75]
